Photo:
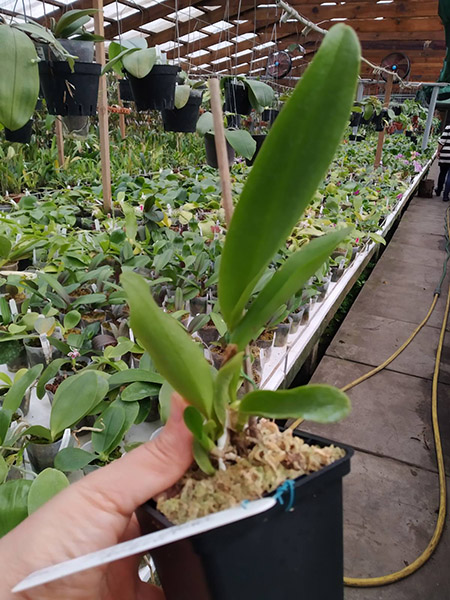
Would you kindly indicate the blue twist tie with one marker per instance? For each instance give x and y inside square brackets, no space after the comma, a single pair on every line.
[245,503]
[287,486]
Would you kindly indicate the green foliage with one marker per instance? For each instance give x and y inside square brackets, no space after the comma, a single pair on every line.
[17,391]
[288,173]
[72,459]
[13,504]
[19,83]
[46,485]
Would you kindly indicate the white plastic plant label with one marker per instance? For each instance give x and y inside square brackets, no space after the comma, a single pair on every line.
[145,543]
[46,347]
[97,225]
[13,307]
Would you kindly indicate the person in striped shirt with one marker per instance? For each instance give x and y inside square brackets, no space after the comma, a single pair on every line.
[443,156]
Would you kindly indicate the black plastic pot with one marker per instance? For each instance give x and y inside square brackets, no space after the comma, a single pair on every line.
[356,138]
[355,119]
[68,93]
[22,135]
[157,90]
[377,120]
[272,555]
[259,139]
[211,155]
[236,99]
[183,119]
[125,91]
[269,115]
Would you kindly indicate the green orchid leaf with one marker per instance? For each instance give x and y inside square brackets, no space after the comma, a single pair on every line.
[66,23]
[259,93]
[138,391]
[46,485]
[202,459]
[49,372]
[19,83]
[73,459]
[132,375]
[205,123]
[5,244]
[17,391]
[71,319]
[116,63]
[165,401]
[176,356]
[219,323]
[39,431]
[290,166]
[286,282]
[89,299]
[111,422]
[182,93]
[194,422]
[5,422]
[75,398]
[3,469]
[140,63]
[314,402]
[13,504]
[241,142]
[226,386]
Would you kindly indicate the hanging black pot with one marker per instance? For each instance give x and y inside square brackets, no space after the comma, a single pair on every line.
[157,90]
[269,115]
[259,139]
[356,138]
[211,155]
[183,119]
[22,135]
[126,95]
[236,99]
[68,93]
[82,49]
[266,556]
[355,119]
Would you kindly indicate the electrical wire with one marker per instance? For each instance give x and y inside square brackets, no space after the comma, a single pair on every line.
[440,522]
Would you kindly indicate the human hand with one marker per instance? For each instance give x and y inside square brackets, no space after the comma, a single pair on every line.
[95,513]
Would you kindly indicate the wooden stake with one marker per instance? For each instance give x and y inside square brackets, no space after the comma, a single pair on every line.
[103,111]
[122,128]
[387,99]
[60,142]
[221,148]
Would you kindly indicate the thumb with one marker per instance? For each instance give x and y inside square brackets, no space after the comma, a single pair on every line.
[146,471]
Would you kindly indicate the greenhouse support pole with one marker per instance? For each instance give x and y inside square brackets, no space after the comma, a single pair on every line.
[221,148]
[60,142]
[103,111]
[123,132]
[387,99]
[429,123]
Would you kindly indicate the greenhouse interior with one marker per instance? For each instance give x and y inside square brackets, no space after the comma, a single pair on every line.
[224,304]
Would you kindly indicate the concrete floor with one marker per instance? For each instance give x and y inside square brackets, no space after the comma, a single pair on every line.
[391,495]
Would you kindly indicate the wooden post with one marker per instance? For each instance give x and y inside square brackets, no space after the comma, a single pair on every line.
[122,128]
[387,99]
[221,148]
[103,111]
[60,142]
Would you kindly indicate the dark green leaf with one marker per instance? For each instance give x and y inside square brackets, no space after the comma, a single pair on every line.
[139,391]
[132,375]
[314,402]
[17,391]
[48,374]
[72,459]
[202,458]
[111,422]
[289,167]
[13,504]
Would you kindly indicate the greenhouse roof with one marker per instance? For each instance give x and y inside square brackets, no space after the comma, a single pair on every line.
[233,37]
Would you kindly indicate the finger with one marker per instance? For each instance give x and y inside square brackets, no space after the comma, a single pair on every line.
[146,471]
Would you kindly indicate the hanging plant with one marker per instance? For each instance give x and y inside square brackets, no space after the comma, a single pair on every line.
[19,82]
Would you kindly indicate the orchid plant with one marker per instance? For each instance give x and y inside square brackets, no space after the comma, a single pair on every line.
[288,171]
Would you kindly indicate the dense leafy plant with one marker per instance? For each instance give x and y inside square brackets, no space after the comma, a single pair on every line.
[256,232]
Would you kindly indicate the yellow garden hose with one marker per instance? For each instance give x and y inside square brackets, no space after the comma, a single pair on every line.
[438,530]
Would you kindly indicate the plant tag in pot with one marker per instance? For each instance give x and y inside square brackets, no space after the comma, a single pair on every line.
[13,307]
[46,347]
[146,543]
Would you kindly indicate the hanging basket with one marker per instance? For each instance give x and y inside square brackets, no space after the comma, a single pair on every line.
[236,99]
[183,119]
[156,91]
[22,135]
[266,556]
[259,139]
[126,95]
[211,155]
[269,115]
[68,93]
